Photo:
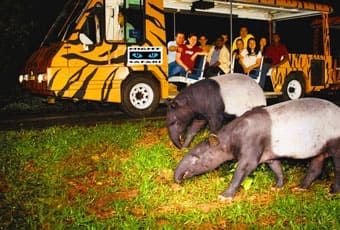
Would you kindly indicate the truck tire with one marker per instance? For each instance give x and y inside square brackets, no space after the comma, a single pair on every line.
[293,88]
[140,96]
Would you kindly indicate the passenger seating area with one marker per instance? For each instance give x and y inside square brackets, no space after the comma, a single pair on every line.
[196,75]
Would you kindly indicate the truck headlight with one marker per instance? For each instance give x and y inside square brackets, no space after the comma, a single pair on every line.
[40,78]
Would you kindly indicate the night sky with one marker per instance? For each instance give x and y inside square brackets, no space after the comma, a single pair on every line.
[24,24]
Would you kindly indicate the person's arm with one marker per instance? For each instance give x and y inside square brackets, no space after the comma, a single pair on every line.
[284,59]
[172,46]
[193,57]
[224,58]
[180,62]
[247,69]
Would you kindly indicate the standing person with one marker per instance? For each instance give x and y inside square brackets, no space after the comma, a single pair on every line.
[218,59]
[186,55]
[251,60]
[237,68]
[172,50]
[244,35]
[203,40]
[277,52]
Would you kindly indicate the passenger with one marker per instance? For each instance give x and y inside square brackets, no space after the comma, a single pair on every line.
[277,52]
[251,59]
[237,68]
[186,55]
[172,50]
[203,43]
[263,44]
[126,29]
[218,59]
[226,40]
[244,35]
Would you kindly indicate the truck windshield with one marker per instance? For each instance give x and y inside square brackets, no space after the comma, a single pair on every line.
[65,21]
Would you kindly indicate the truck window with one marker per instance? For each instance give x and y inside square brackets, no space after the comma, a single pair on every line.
[124,21]
[91,32]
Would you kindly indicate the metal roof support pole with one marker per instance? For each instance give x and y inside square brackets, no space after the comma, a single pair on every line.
[231,31]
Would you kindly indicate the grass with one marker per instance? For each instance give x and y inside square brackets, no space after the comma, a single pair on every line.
[121,177]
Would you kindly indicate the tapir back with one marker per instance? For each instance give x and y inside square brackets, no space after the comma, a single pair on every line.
[243,99]
[302,128]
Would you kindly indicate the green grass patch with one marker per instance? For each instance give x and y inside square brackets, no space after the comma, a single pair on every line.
[121,177]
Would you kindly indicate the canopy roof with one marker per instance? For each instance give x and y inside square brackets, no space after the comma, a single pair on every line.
[252,9]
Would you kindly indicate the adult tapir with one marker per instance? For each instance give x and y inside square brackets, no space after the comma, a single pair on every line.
[209,100]
[299,129]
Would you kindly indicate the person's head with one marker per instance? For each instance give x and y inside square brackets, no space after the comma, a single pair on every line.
[180,37]
[219,42]
[263,42]
[239,44]
[121,18]
[203,40]
[251,45]
[225,37]
[192,39]
[276,38]
[243,32]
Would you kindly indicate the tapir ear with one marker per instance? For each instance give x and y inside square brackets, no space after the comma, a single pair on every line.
[213,140]
[171,103]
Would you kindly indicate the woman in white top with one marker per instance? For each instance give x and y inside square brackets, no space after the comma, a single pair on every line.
[250,59]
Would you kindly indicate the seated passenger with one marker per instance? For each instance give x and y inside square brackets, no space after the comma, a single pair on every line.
[172,50]
[218,59]
[277,52]
[237,68]
[251,59]
[203,40]
[186,55]
[263,45]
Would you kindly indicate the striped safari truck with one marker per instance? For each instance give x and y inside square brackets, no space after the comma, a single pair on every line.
[115,51]
[92,52]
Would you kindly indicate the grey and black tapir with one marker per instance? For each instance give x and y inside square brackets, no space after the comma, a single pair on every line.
[299,129]
[209,100]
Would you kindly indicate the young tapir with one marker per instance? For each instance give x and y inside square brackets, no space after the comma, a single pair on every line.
[208,101]
[299,129]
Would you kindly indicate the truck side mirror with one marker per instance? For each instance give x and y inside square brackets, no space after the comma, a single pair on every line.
[85,40]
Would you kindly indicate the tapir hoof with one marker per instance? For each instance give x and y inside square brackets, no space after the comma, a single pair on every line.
[213,140]
[334,189]
[299,189]
[224,198]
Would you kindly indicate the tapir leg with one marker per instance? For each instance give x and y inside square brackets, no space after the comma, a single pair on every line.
[314,170]
[336,186]
[334,152]
[195,127]
[275,165]
[244,168]
[215,124]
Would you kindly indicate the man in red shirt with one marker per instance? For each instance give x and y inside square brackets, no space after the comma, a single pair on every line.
[186,55]
[277,52]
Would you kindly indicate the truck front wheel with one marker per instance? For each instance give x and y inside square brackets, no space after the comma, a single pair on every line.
[294,87]
[140,96]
